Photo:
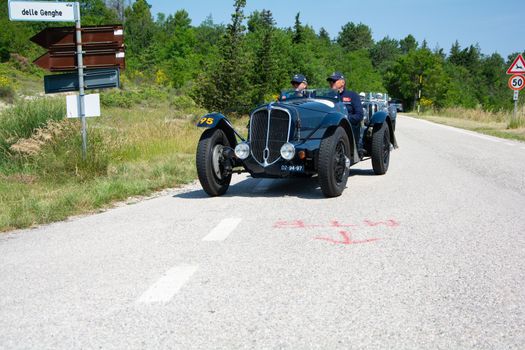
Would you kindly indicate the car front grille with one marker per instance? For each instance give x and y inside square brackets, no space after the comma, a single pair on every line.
[269,130]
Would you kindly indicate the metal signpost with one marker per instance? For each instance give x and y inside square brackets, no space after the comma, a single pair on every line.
[517,80]
[104,53]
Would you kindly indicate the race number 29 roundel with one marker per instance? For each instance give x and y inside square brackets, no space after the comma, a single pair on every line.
[517,82]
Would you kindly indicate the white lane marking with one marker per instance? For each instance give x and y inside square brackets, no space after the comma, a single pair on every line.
[168,285]
[222,230]
[461,131]
[263,185]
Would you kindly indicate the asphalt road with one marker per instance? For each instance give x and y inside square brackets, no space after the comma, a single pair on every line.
[429,256]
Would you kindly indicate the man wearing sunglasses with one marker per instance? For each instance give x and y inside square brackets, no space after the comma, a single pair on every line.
[299,83]
[352,102]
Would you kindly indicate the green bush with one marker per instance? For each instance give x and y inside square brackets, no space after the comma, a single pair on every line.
[118,98]
[7,89]
[182,102]
[62,157]
[129,98]
[22,120]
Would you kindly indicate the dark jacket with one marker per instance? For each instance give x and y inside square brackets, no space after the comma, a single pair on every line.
[353,104]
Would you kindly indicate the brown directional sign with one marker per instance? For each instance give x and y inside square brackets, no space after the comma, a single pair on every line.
[59,61]
[103,47]
[63,38]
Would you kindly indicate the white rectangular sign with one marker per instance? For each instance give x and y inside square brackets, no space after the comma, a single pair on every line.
[91,102]
[516,94]
[45,11]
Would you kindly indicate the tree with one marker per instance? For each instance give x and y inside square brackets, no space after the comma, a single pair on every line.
[95,12]
[176,49]
[140,30]
[324,36]
[224,87]
[404,76]
[264,58]
[408,44]
[355,37]
[118,6]
[298,33]
[384,52]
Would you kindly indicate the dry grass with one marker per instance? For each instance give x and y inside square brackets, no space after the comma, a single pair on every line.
[50,132]
[146,149]
[491,123]
[477,114]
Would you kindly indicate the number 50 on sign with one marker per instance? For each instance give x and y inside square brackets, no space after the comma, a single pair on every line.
[517,82]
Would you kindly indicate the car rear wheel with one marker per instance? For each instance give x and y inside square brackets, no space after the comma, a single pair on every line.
[210,162]
[334,161]
[380,149]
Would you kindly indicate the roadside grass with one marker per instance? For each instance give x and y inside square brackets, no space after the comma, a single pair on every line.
[132,151]
[491,123]
[18,79]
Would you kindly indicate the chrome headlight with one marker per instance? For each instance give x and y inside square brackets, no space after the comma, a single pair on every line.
[288,151]
[242,150]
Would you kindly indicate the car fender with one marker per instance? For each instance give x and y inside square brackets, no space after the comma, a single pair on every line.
[383,117]
[331,121]
[378,117]
[218,120]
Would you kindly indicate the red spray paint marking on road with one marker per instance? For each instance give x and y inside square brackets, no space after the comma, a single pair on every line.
[388,223]
[346,239]
[293,224]
[335,223]
[300,224]
[346,235]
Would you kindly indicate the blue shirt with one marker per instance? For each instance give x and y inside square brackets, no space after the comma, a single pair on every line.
[353,104]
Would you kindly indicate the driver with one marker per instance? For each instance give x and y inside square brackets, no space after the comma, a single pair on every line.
[299,83]
[352,102]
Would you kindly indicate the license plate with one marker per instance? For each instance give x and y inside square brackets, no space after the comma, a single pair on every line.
[293,168]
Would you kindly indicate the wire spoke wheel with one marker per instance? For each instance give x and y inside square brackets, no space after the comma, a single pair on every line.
[339,162]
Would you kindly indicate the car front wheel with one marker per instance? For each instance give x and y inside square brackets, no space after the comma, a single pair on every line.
[380,149]
[210,162]
[334,161]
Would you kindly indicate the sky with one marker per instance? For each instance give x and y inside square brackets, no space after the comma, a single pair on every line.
[497,26]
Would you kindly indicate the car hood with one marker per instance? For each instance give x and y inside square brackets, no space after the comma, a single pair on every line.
[317,105]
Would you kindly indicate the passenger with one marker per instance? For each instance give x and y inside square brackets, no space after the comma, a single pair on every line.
[352,102]
[300,84]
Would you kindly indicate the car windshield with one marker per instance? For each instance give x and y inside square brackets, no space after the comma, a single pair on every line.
[375,97]
[309,93]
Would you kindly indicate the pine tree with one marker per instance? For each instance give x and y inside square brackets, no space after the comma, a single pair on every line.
[324,36]
[225,86]
[298,32]
[408,44]
[264,60]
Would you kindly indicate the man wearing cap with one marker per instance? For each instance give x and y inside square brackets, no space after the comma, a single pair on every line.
[352,102]
[299,83]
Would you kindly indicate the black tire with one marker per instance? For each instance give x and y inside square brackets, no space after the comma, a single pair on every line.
[334,155]
[380,149]
[210,171]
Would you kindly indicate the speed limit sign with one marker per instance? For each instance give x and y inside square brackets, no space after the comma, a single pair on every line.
[517,82]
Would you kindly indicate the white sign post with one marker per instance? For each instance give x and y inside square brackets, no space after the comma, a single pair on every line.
[517,81]
[91,106]
[49,11]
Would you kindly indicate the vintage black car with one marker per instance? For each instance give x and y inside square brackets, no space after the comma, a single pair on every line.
[301,134]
